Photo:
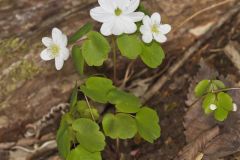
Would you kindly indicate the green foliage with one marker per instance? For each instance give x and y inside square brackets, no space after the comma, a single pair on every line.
[125,102]
[85,112]
[97,88]
[220,114]
[152,54]
[88,134]
[147,124]
[225,101]
[121,126]
[80,33]
[79,153]
[79,137]
[95,50]
[129,45]
[64,137]
[219,84]
[78,59]
[202,88]
[213,95]
[73,99]
[208,100]
[141,8]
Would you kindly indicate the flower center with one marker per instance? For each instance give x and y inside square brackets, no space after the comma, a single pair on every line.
[54,49]
[118,11]
[155,28]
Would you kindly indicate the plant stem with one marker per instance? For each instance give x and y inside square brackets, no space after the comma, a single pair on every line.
[114,60]
[226,89]
[215,91]
[89,106]
[117,149]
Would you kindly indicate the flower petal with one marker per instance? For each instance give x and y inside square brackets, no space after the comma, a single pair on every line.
[100,15]
[128,25]
[118,26]
[156,18]
[59,62]
[161,38]
[106,28]
[165,28]
[64,53]
[47,41]
[122,4]
[64,40]
[107,5]
[133,5]
[147,38]
[144,29]
[136,16]
[46,55]
[57,35]
[147,21]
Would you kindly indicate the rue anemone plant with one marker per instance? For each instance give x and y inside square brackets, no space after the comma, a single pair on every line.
[126,28]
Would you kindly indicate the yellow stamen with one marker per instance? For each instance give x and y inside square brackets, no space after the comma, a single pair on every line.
[54,49]
[155,28]
[118,11]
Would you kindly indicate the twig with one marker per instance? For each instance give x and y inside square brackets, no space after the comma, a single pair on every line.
[189,52]
[202,11]
[127,75]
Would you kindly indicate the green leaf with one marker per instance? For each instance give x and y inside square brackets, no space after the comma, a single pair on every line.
[95,50]
[85,112]
[73,99]
[208,100]
[201,88]
[152,54]
[88,113]
[125,102]
[225,101]
[80,33]
[147,123]
[129,46]
[220,114]
[64,137]
[81,106]
[121,126]
[88,134]
[78,59]
[97,88]
[79,153]
[219,84]
[141,8]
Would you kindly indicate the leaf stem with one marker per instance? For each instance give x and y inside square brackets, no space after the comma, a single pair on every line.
[214,91]
[89,106]
[117,149]
[114,60]
[226,89]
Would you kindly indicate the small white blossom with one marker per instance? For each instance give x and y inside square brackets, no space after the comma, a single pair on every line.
[213,107]
[234,107]
[56,48]
[153,29]
[117,16]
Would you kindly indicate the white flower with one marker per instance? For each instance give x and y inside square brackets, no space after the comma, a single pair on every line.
[234,107]
[153,29]
[56,48]
[213,107]
[117,16]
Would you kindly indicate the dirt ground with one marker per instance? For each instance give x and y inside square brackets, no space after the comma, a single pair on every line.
[26,83]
